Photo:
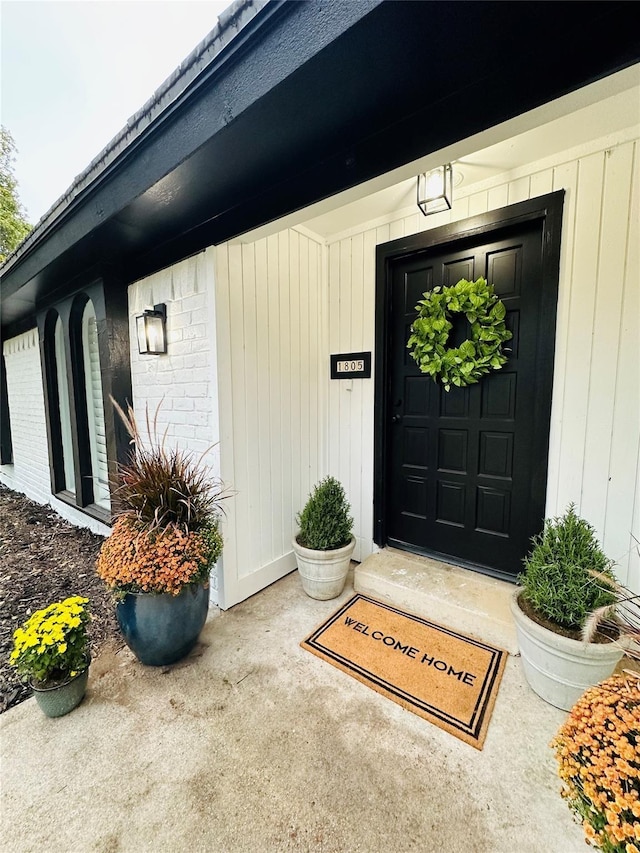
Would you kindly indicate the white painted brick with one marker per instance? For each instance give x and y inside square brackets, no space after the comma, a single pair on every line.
[185,405]
[198,418]
[195,359]
[182,348]
[167,378]
[184,431]
[200,445]
[183,379]
[196,302]
[199,374]
[162,287]
[195,330]
[173,334]
[178,319]
[184,278]
[198,389]
[147,391]
[174,366]
[30,470]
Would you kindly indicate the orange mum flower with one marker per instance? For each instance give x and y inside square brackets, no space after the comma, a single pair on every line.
[161,560]
[598,754]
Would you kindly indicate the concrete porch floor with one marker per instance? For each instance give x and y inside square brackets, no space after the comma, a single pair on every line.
[461,599]
[253,744]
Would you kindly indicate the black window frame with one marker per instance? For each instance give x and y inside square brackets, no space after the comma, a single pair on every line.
[6,442]
[109,300]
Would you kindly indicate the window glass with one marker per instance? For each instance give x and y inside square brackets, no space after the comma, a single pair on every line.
[95,409]
[63,408]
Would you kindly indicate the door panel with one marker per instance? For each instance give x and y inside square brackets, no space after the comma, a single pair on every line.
[460,463]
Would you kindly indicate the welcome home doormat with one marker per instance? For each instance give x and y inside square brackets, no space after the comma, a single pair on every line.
[447,678]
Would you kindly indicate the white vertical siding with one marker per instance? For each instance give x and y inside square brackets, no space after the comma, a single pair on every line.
[268,314]
[352,329]
[595,428]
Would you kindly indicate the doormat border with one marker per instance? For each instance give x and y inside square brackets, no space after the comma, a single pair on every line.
[473,732]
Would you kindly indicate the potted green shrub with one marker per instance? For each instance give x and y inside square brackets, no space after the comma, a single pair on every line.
[558,593]
[51,652]
[163,545]
[324,543]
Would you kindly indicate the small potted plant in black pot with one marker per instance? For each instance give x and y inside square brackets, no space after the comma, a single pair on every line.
[324,544]
[558,593]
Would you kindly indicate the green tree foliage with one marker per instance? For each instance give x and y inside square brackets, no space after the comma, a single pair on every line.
[13,224]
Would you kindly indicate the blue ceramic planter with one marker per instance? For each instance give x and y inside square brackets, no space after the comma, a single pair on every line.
[159,628]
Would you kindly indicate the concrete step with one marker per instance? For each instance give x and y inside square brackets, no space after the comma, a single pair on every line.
[458,598]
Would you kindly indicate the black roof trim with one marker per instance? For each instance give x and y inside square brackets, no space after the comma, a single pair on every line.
[230,22]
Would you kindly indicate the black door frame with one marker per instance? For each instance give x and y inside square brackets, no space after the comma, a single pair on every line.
[547,208]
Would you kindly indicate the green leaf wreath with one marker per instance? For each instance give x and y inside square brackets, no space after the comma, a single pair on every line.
[480,353]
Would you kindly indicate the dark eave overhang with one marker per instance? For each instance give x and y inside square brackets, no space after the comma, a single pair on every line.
[309,99]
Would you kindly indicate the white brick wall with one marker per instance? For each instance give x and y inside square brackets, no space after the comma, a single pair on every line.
[184,381]
[29,472]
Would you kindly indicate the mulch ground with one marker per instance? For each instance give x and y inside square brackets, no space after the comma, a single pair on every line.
[44,559]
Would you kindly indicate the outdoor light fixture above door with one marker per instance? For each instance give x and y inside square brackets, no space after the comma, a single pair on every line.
[151,328]
[435,190]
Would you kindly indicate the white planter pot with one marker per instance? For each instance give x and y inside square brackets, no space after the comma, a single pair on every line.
[558,668]
[323,573]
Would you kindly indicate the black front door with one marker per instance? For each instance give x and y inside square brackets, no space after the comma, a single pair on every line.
[465,470]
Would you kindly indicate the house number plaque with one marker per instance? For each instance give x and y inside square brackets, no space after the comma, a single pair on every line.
[351,365]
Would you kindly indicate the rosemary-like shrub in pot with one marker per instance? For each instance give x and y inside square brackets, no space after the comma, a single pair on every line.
[164,543]
[324,543]
[51,653]
[558,593]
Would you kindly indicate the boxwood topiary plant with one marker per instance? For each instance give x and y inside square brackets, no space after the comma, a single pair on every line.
[325,522]
[558,581]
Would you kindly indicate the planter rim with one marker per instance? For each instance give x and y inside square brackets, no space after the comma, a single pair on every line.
[153,592]
[78,674]
[595,649]
[327,554]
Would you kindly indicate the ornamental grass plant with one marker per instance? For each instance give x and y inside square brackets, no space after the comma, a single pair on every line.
[598,754]
[558,581]
[52,645]
[168,508]
[622,616]
[325,522]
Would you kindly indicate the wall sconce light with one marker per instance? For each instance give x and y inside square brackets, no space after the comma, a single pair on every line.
[435,190]
[151,329]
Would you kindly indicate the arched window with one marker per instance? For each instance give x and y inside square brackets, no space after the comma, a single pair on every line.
[64,412]
[95,407]
[74,376]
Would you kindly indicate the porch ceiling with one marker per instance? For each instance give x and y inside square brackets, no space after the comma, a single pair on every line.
[602,109]
[314,98]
